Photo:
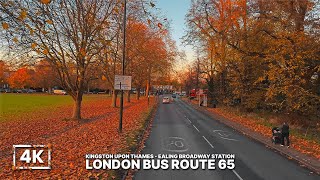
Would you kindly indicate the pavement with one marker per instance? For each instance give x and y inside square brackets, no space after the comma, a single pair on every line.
[179,128]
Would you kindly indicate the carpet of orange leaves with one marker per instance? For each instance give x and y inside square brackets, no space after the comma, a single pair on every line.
[311,148]
[70,140]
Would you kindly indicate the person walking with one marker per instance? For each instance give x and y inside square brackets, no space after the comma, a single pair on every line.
[285,134]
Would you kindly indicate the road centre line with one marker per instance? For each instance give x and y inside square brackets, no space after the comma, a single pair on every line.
[208,141]
[196,128]
[188,120]
[235,172]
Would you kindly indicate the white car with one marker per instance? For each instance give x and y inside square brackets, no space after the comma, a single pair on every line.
[60,92]
[165,100]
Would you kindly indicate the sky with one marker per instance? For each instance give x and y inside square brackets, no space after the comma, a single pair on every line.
[175,11]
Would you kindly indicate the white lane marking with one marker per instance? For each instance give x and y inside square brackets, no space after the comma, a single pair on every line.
[208,141]
[229,139]
[195,128]
[188,120]
[235,172]
[224,135]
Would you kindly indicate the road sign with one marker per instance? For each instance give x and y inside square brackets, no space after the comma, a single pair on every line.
[122,82]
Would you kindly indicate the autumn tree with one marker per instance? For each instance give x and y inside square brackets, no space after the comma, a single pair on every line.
[150,54]
[69,33]
[111,57]
[293,55]
[21,78]
[3,70]
[260,54]
[45,75]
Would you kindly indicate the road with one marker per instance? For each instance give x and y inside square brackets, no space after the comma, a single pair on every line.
[195,133]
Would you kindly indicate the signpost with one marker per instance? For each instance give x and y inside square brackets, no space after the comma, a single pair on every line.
[123,61]
[122,82]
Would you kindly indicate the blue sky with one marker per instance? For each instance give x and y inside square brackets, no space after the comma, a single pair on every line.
[175,11]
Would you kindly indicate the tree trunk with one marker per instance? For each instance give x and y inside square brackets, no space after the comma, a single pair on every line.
[128,96]
[147,89]
[210,96]
[77,107]
[138,93]
[114,98]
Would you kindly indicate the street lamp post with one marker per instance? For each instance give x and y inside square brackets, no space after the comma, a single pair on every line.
[123,61]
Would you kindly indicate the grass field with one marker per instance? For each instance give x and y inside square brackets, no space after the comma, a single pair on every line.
[19,104]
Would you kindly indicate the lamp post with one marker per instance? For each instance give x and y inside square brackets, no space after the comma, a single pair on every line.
[123,60]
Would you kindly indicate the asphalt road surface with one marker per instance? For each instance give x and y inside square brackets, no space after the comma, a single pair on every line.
[180,129]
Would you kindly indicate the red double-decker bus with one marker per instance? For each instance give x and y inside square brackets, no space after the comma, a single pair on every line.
[193,93]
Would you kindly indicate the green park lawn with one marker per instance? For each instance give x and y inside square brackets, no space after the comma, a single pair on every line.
[18,104]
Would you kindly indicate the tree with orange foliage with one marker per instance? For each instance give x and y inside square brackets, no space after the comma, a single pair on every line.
[150,53]
[68,33]
[21,78]
[263,54]
[3,70]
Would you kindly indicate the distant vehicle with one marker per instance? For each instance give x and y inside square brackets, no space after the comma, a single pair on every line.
[165,100]
[31,91]
[183,93]
[60,92]
[174,95]
[97,91]
[24,90]
[7,91]
[94,92]
[39,90]
[193,93]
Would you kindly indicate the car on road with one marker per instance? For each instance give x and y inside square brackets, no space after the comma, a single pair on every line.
[174,95]
[165,100]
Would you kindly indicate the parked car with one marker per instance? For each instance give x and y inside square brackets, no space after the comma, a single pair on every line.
[27,90]
[60,92]
[165,100]
[7,91]
[94,92]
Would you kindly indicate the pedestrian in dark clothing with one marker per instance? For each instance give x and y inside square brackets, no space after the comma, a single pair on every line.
[285,134]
